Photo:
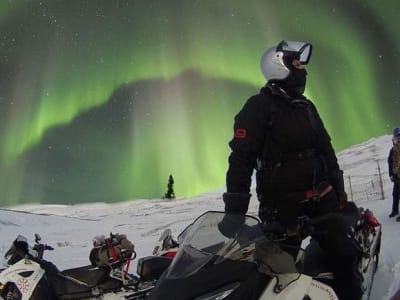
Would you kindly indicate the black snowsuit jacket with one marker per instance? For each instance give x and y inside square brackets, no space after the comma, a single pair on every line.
[395,179]
[284,139]
[390,162]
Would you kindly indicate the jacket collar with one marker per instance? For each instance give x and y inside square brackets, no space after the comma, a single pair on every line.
[276,90]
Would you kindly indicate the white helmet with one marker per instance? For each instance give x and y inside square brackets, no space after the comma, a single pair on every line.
[273,60]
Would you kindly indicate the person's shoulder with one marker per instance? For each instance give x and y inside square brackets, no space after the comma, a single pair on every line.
[308,101]
[257,104]
[263,97]
[258,99]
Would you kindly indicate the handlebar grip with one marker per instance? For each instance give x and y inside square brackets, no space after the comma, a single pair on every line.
[47,247]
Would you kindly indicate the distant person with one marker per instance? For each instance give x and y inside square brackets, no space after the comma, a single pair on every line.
[170,194]
[394,171]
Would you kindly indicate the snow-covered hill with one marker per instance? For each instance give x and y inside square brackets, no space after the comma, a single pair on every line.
[70,229]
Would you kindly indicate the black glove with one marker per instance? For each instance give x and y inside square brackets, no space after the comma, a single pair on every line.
[231,224]
[236,202]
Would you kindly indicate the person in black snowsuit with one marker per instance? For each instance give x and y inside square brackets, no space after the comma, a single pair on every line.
[393,174]
[280,134]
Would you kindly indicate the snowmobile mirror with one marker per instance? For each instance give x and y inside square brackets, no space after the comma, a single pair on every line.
[38,238]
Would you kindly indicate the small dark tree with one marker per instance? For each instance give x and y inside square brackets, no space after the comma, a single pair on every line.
[170,194]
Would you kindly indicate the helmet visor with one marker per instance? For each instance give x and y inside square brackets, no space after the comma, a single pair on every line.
[301,49]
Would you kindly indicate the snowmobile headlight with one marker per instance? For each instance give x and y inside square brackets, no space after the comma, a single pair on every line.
[221,293]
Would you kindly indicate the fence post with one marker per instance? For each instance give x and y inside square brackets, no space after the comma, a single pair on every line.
[380,180]
[351,190]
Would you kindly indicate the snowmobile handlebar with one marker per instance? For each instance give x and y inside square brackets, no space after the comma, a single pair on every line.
[302,227]
[40,248]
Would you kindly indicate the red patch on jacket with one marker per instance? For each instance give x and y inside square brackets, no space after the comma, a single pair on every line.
[240,133]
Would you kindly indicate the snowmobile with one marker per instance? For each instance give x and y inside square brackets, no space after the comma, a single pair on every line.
[249,262]
[30,276]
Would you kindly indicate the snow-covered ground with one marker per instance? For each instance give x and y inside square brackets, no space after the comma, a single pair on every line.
[70,229]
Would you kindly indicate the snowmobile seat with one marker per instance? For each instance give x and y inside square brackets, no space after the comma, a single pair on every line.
[90,275]
[83,281]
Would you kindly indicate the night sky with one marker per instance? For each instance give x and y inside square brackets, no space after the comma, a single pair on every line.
[103,100]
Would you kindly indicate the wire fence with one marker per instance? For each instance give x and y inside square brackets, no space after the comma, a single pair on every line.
[365,187]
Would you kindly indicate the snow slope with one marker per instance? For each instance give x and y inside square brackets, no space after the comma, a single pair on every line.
[70,229]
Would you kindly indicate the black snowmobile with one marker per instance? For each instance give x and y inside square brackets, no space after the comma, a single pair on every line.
[29,276]
[250,263]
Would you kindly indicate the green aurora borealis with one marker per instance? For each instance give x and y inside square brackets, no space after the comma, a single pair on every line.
[102,100]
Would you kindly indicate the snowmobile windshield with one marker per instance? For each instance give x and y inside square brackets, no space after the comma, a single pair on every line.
[215,237]
[19,248]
